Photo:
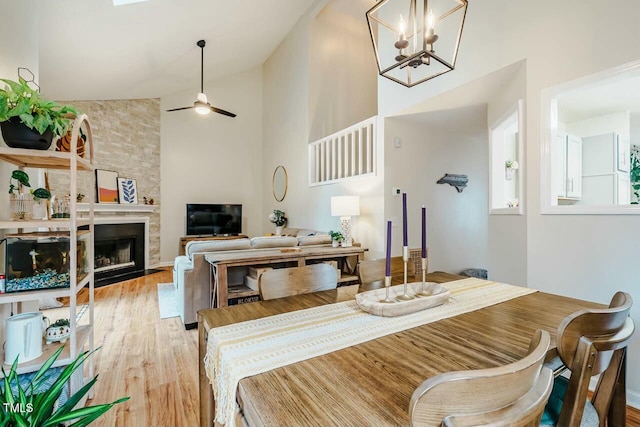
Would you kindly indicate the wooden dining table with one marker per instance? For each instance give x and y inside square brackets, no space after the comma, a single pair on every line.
[371,384]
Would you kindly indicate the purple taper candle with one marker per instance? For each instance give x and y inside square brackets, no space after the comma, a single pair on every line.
[387,269]
[405,239]
[424,232]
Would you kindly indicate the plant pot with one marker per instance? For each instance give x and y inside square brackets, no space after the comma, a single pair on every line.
[279,230]
[335,243]
[21,206]
[64,144]
[40,208]
[17,135]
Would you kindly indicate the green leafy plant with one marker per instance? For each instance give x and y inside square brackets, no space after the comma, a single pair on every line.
[28,408]
[336,236]
[18,99]
[278,218]
[635,173]
[22,178]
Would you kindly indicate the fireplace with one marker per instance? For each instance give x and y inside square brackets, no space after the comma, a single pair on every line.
[119,252]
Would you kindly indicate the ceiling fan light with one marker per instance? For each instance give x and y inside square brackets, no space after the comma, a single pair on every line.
[202,108]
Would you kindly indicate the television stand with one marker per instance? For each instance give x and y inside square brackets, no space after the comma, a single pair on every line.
[186,239]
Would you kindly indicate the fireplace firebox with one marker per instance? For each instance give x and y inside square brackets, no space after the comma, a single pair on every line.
[118,252]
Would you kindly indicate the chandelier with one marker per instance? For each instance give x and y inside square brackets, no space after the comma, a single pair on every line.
[416,40]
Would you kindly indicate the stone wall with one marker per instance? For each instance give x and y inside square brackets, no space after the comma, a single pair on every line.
[126,139]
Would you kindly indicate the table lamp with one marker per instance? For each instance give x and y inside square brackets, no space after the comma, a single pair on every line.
[345,207]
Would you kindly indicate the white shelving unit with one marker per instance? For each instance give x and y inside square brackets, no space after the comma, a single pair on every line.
[81,334]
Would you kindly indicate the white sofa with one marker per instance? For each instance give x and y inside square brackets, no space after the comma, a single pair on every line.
[191,271]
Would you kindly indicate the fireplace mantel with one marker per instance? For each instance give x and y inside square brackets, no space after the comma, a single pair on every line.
[116,208]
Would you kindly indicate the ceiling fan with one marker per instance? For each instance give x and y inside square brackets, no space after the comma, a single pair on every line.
[201,105]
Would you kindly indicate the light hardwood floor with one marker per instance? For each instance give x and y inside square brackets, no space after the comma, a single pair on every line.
[152,360]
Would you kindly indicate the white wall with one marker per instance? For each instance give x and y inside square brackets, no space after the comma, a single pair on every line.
[619,123]
[341,62]
[587,257]
[213,158]
[307,85]
[508,233]
[432,144]
[18,48]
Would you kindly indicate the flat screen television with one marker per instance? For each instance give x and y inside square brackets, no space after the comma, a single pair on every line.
[213,219]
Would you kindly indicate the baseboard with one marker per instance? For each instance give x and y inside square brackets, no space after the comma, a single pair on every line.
[633,397]
[162,264]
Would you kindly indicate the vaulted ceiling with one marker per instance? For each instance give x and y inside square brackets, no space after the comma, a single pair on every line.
[94,50]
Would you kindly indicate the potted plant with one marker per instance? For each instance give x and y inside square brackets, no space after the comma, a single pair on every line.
[510,166]
[279,219]
[21,204]
[29,121]
[634,174]
[35,404]
[336,238]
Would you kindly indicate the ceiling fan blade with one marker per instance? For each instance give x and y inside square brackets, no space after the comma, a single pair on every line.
[220,111]
[178,109]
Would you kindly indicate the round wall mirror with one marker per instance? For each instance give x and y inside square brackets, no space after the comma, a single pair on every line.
[280,183]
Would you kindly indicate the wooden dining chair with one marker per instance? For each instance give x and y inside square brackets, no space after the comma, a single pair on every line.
[371,272]
[284,282]
[593,342]
[509,395]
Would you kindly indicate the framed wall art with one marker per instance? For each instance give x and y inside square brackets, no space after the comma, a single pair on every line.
[106,186]
[127,191]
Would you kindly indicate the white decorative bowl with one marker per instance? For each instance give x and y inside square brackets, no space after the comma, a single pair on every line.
[371,301]
[57,333]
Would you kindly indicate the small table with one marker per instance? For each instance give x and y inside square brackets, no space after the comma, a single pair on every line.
[221,262]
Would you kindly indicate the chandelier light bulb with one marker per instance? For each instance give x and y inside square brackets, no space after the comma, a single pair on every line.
[402,27]
[431,21]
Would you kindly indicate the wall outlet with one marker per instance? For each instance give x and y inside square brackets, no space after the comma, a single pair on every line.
[396,191]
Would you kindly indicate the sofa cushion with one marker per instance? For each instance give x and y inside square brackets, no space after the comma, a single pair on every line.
[273,242]
[305,232]
[287,231]
[320,239]
[196,246]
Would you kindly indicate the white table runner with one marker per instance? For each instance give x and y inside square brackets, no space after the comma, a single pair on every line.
[249,348]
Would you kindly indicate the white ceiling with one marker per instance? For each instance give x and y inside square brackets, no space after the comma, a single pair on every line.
[90,49]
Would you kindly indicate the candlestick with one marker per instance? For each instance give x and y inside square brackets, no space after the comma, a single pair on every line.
[387,284]
[405,257]
[387,270]
[423,292]
[405,239]
[424,232]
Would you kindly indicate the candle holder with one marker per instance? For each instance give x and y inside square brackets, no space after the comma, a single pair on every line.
[387,284]
[423,292]
[405,257]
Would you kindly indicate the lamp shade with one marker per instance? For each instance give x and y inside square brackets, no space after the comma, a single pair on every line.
[345,206]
